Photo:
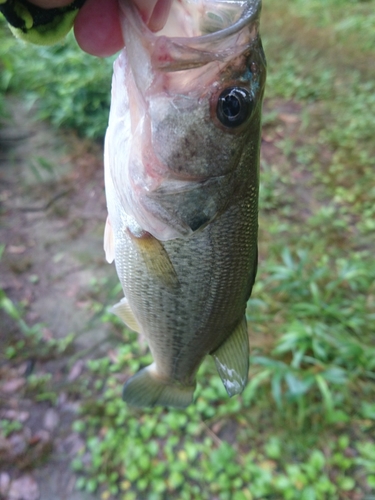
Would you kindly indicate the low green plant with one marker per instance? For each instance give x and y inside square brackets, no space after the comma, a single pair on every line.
[30,340]
[325,327]
[160,453]
[7,427]
[69,88]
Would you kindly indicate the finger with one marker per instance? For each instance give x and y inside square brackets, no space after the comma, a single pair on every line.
[146,8]
[97,28]
[159,15]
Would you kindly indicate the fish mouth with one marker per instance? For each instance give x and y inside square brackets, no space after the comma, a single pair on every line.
[230,35]
[170,84]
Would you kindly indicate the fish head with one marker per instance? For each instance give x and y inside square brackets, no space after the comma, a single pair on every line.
[193,96]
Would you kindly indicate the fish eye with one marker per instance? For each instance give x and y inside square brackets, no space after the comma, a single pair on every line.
[234,106]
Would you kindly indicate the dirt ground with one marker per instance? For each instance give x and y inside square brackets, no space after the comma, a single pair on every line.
[52,214]
[52,217]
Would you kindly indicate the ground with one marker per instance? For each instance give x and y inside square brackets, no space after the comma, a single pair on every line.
[52,220]
[304,425]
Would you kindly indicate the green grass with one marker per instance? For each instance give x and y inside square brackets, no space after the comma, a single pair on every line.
[68,87]
[304,427]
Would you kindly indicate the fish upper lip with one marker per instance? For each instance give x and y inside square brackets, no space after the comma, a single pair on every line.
[197,46]
[250,14]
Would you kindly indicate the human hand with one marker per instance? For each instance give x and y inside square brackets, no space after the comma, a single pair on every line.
[97,25]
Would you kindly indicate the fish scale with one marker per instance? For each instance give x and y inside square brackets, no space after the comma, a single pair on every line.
[182,194]
[217,293]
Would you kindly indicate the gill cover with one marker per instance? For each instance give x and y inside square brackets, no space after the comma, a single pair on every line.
[179,165]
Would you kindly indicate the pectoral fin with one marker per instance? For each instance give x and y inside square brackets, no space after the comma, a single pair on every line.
[232,360]
[155,258]
[123,311]
[109,242]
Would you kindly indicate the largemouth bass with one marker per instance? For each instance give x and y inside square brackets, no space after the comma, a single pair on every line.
[181,174]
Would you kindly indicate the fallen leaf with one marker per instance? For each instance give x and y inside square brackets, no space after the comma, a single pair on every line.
[113,355]
[62,398]
[40,436]
[17,249]
[287,118]
[18,444]
[13,385]
[76,370]
[21,369]
[4,195]
[73,444]
[5,448]
[47,334]
[21,416]
[267,138]
[24,488]
[4,483]
[269,465]
[51,419]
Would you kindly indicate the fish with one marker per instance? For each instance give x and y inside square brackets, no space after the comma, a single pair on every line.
[182,180]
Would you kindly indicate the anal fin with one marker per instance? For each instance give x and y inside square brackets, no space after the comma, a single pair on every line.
[232,360]
[146,390]
[123,311]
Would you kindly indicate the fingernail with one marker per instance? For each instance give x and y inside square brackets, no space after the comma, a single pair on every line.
[146,8]
[159,15]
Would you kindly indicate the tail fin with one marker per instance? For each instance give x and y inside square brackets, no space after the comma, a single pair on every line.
[145,389]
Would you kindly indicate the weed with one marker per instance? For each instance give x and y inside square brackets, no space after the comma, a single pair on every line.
[70,88]
[31,342]
[7,427]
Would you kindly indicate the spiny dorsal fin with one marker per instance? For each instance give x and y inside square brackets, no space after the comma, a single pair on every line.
[232,360]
